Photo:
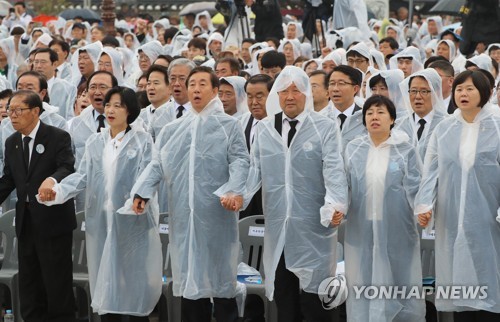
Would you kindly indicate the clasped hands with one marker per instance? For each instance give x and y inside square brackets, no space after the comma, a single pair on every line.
[45,192]
[424,218]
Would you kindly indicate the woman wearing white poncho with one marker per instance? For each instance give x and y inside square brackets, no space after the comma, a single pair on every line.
[460,189]
[303,185]
[381,238]
[123,250]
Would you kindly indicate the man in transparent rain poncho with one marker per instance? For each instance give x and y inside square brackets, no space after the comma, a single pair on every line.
[200,156]
[296,160]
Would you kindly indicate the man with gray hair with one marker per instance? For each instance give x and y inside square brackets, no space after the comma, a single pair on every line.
[179,105]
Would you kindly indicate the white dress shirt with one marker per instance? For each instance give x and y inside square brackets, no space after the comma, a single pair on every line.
[252,130]
[348,112]
[428,120]
[286,126]
[96,114]
[32,135]
[186,106]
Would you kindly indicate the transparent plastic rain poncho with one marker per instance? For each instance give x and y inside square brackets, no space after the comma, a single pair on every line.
[49,116]
[439,110]
[298,27]
[152,49]
[94,50]
[200,156]
[63,95]
[164,23]
[351,13]
[379,59]
[439,25]
[483,61]
[400,35]
[238,84]
[215,36]
[362,49]
[295,45]
[148,118]
[392,78]
[451,46]
[334,56]
[205,13]
[44,39]
[317,61]
[352,34]
[302,186]
[306,50]
[408,52]
[130,63]
[9,49]
[383,182]
[465,202]
[255,59]
[136,44]
[116,63]
[123,250]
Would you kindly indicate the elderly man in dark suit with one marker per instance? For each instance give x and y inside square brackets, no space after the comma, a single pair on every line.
[37,156]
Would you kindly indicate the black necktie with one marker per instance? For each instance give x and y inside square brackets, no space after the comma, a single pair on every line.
[100,119]
[153,110]
[180,109]
[421,128]
[292,131]
[26,151]
[342,118]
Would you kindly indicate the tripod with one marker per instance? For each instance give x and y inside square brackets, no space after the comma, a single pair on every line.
[313,27]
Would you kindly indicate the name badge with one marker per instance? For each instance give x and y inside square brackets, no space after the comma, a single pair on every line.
[163,229]
[256,231]
[430,235]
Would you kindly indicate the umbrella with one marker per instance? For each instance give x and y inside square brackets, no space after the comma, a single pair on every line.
[4,8]
[448,7]
[44,19]
[197,7]
[86,14]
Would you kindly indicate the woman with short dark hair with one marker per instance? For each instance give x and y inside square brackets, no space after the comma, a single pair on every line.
[460,189]
[123,250]
[381,239]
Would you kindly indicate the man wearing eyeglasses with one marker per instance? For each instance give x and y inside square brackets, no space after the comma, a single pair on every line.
[37,156]
[91,119]
[61,92]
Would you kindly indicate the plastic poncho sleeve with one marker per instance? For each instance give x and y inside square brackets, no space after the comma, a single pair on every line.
[411,180]
[72,185]
[238,163]
[334,174]
[254,180]
[427,192]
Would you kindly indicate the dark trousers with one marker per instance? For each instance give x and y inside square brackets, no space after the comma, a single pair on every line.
[292,304]
[476,316]
[225,310]
[123,318]
[45,276]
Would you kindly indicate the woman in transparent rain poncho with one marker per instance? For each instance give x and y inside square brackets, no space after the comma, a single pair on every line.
[123,251]
[381,239]
[464,153]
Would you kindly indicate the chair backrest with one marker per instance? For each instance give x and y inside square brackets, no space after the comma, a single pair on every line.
[427,256]
[79,246]
[8,230]
[251,230]
[164,231]
[340,241]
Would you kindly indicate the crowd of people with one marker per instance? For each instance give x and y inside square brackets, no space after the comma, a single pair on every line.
[376,131]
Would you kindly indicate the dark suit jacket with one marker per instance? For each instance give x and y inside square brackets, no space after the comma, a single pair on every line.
[56,161]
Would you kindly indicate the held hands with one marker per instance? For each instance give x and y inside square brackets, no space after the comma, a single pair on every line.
[45,191]
[232,202]
[139,206]
[337,218]
[423,219]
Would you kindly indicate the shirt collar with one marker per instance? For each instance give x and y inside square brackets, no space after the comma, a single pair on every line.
[427,118]
[32,135]
[187,106]
[348,112]
[301,117]
[96,114]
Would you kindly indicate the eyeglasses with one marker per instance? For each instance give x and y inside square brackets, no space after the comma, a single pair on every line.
[423,92]
[17,111]
[143,58]
[339,84]
[101,87]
